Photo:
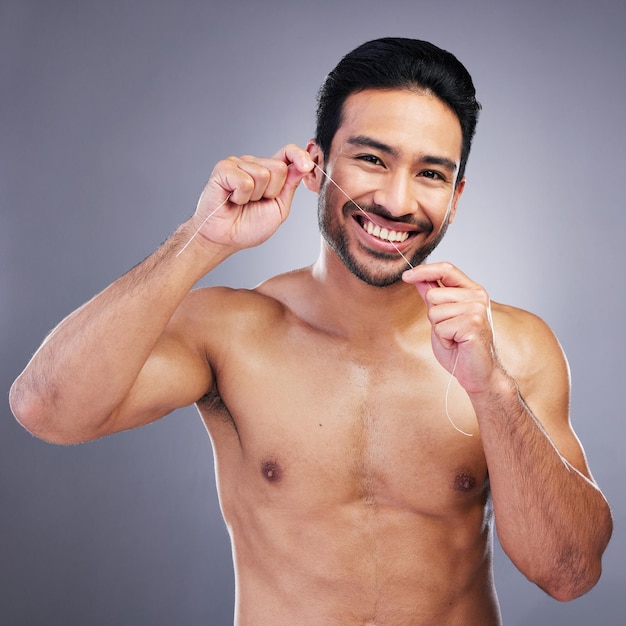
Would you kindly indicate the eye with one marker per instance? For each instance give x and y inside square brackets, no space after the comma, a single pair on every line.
[432,174]
[370,158]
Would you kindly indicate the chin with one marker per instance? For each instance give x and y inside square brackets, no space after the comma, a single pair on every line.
[381,278]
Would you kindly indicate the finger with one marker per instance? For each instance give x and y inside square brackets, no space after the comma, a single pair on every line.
[464,295]
[423,287]
[269,176]
[444,341]
[451,331]
[299,163]
[232,180]
[246,180]
[470,314]
[444,274]
[250,178]
[297,157]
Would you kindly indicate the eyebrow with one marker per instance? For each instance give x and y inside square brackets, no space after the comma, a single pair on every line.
[369,142]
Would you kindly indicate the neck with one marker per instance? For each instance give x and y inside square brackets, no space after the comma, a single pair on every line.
[352,307]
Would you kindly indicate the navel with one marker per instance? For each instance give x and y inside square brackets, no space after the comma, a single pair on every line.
[271,470]
[464,481]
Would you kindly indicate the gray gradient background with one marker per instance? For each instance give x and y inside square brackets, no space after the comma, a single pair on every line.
[112,116]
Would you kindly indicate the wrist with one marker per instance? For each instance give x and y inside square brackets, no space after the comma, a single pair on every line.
[188,244]
[501,390]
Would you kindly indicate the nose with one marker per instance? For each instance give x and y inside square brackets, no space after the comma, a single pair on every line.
[395,193]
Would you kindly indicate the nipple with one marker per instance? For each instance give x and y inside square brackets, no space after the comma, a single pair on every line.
[271,471]
[464,482]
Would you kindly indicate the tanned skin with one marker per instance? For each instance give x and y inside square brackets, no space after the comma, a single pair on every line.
[349,495]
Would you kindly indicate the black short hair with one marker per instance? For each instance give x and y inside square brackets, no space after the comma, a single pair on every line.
[398,63]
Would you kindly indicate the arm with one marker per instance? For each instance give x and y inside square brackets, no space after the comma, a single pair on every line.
[552,520]
[130,355]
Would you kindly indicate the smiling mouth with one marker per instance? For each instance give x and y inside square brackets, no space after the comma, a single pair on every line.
[384,234]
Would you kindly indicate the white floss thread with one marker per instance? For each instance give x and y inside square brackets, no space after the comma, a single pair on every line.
[456,360]
[362,211]
[219,206]
[204,221]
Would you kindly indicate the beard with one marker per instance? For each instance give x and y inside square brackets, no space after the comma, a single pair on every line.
[383,268]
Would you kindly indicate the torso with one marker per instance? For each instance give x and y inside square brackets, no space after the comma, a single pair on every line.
[349,495]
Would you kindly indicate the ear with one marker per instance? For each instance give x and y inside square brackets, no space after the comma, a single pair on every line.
[313,180]
[458,191]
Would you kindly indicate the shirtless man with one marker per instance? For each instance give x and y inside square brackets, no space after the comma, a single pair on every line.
[356,488]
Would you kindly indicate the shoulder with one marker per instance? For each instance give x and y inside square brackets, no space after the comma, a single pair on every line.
[229,326]
[517,324]
[224,308]
[235,310]
[529,349]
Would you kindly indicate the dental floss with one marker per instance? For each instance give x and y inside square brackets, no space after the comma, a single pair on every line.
[456,360]
[440,284]
[206,219]
[219,206]
[362,211]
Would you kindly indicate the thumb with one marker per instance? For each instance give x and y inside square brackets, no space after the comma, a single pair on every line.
[422,286]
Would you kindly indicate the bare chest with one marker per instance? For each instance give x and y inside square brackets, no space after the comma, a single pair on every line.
[327,424]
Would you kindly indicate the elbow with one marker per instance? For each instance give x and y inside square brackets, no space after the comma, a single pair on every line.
[567,582]
[572,587]
[25,406]
[572,567]
[29,409]
[35,413]
[48,417]
[578,571]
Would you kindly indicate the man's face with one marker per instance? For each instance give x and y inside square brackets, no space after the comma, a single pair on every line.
[396,154]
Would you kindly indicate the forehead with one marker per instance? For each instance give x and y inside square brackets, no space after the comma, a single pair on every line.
[403,118]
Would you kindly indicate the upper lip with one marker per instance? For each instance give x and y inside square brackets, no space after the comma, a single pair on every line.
[377,220]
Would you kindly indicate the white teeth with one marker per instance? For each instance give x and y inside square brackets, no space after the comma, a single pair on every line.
[384,233]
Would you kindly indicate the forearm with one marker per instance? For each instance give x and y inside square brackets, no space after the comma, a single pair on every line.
[552,521]
[87,365]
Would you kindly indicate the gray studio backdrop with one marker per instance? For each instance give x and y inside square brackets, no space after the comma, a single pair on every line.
[113,114]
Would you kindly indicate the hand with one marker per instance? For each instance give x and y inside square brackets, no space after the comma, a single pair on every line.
[247,198]
[459,311]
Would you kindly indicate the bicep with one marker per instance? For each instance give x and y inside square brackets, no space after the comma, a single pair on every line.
[176,374]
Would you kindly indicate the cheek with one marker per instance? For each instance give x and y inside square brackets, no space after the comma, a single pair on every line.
[437,218]
[355,182]
[439,206]
[325,215]
[332,200]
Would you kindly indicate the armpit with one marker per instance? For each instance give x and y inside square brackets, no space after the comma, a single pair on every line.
[212,405]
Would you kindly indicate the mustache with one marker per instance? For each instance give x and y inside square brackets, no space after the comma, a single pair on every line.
[373,210]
